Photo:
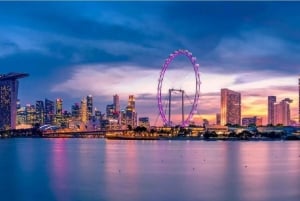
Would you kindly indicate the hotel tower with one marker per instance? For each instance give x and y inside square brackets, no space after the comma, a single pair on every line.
[8,99]
[230,107]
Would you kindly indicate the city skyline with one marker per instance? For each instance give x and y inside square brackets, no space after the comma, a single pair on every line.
[107,48]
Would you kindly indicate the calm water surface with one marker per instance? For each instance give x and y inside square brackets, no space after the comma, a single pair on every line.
[99,169]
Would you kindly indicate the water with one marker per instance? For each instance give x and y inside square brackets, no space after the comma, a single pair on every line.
[99,169]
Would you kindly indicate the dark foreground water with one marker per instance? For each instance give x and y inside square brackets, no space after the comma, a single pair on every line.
[98,169]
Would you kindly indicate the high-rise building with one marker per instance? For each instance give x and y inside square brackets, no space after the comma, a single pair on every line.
[218,119]
[58,111]
[30,114]
[89,103]
[83,111]
[282,113]
[110,109]
[271,103]
[230,107]
[8,99]
[116,103]
[49,111]
[75,111]
[40,110]
[131,116]
[21,116]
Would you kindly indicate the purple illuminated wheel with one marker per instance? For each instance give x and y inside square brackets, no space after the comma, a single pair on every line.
[197,87]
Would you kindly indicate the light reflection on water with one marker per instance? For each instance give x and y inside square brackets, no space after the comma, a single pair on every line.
[98,169]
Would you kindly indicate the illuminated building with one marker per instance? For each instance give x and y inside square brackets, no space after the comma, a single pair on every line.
[144,122]
[30,114]
[131,116]
[39,108]
[271,102]
[98,115]
[116,102]
[58,111]
[18,104]
[21,116]
[75,111]
[282,112]
[49,111]
[83,111]
[89,103]
[110,109]
[247,121]
[230,107]
[8,99]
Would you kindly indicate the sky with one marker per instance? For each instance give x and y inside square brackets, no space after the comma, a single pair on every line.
[73,49]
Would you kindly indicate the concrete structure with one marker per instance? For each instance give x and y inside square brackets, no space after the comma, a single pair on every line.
[230,107]
[131,116]
[40,111]
[271,102]
[8,99]
[247,121]
[282,112]
[49,112]
[83,111]
[218,119]
[75,111]
[144,122]
[58,111]
[89,104]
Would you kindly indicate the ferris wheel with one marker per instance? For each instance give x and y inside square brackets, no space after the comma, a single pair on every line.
[196,90]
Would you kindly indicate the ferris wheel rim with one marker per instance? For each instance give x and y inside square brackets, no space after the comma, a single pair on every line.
[166,64]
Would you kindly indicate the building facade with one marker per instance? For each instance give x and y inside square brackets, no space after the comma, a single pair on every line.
[49,112]
[282,113]
[271,103]
[40,111]
[144,122]
[89,105]
[8,99]
[250,121]
[58,111]
[131,116]
[230,107]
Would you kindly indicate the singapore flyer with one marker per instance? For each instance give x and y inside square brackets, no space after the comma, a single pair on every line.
[165,110]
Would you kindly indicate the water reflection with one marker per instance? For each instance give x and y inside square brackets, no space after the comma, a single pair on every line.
[92,170]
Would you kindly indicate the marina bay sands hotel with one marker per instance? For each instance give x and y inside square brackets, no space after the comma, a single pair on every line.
[8,99]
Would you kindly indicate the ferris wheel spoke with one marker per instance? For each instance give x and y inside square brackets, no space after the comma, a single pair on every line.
[167,105]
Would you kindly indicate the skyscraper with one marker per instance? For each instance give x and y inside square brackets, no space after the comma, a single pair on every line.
[83,111]
[75,111]
[271,102]
[8,99]
[116,103]
[40,110]
[89,104]
[131,116]
[282,114]
[110,111]
[30,114]
[58,111]
[230,107]
[49,111]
